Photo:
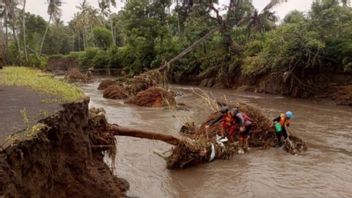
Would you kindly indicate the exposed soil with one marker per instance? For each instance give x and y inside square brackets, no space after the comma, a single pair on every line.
[343,95]
[333,85]
[59,65]
[59,159]
[75,75]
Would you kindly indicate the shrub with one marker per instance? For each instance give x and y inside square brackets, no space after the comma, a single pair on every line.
[101,59]
[102,37]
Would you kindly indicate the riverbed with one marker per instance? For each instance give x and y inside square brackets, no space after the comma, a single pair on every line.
[325,170]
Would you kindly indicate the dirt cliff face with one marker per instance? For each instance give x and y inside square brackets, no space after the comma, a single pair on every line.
[59,65]
[58,160]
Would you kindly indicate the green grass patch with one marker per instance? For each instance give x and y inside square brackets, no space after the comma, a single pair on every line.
[41,82]
[27,134]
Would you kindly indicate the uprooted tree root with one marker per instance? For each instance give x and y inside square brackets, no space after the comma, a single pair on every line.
[75,75]
[142,82]
[105,84]
[153,97]
[188,153]
[140,90]
[115,92]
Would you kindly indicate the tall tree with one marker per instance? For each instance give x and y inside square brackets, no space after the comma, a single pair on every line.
[12,11]
[2,40]
[54,11]
[105,9]
[262,21]
[84,21]
[5,15]
[24,30]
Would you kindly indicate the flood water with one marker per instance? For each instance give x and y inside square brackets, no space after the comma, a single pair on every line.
[325,170]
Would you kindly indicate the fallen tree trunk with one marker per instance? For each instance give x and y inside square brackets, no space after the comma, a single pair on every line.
[189,49]
[187,152]
[122,131]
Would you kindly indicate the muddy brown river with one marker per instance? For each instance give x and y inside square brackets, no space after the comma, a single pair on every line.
[325,170]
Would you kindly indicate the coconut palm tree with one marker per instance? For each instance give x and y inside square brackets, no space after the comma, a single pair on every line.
[24,30]
[85,20]
[3,49]
[105,10]
[10,18]
[345,2]
[263,21]
[54,11]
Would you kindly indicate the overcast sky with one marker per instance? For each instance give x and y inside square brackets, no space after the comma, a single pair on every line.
[69,7]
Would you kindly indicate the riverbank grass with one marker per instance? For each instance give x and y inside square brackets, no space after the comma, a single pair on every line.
[41,82]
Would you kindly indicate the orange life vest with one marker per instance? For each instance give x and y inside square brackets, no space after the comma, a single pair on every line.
[228,120]
[283,120]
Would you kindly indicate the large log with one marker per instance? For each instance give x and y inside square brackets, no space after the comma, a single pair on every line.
[122,131]
[187,152]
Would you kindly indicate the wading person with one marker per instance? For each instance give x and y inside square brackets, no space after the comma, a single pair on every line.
[281,124]
[227,127]
[232,120]
[245,124]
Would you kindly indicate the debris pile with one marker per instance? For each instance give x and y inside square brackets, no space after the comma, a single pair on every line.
[115,92]
[203,149]
[142,82]
[140,90]
[263,134]
[105,84]
[153,97]
[75,75]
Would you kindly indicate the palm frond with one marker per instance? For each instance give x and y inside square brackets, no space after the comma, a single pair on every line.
[272,4]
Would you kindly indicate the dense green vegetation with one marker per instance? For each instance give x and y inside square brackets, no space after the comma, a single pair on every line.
[145,34]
